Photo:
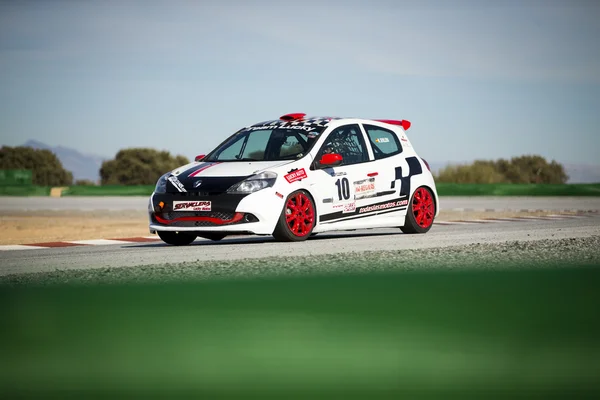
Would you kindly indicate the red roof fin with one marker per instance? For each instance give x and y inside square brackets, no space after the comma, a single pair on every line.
[292,117]
[403,123]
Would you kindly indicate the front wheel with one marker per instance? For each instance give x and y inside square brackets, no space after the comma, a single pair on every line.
[420,213]
[297,218]
[176,238]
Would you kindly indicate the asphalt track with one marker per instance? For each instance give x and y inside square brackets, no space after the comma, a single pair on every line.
[83,257]
[18,204]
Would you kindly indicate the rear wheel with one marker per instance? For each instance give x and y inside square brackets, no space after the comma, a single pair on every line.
[176,238]
[297,219]
[420,213]
[213,236]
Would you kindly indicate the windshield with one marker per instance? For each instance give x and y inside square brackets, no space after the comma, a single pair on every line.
[266,144]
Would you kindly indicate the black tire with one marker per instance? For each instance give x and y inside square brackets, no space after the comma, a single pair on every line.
[421,212]
[212,236]
[176,238]
[297,219]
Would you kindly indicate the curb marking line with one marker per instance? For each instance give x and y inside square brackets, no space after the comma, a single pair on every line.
[151,239]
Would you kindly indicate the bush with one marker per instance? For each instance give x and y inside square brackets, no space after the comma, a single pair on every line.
[85,182]
[523,169]
[46,167]
[138,166]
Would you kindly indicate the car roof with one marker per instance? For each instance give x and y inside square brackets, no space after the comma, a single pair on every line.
[311,121]
[322,122]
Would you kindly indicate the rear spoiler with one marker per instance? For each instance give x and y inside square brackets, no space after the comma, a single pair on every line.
[403,123]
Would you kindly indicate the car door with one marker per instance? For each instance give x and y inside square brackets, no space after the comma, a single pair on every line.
[345,187]
[386,149]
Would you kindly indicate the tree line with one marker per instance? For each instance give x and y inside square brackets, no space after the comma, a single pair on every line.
[523,169]
[143,166]
[134,166]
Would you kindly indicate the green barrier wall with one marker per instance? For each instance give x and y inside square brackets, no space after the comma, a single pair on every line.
[444,189]
[15,177]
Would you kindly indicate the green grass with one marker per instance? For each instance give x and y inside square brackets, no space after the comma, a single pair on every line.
[507,189]
[469,334]
[109,190]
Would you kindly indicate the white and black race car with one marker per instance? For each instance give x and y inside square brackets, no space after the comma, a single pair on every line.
[297,176]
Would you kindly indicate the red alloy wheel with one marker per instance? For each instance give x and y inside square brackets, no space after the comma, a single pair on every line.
[300,214]
[423,207]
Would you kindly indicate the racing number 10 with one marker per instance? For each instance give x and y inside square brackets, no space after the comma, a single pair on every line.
[343,187]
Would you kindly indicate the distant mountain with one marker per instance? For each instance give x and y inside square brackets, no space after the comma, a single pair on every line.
[83,166]
[578,173]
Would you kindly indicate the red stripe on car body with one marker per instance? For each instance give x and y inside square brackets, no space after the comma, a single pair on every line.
[203,168]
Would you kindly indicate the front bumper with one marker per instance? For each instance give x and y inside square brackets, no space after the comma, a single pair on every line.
[253,213]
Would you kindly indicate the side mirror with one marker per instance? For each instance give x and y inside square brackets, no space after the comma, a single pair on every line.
[200,157]
[330,160]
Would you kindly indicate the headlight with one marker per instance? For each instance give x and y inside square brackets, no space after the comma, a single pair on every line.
[254,183]
[161,185]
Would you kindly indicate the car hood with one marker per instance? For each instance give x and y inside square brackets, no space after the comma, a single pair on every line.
[217,177]
[225,169]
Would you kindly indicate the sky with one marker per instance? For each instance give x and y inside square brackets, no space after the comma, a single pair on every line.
[477,79]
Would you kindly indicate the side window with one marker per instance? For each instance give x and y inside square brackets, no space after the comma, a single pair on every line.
[291,147]
[384,142]
[348,141]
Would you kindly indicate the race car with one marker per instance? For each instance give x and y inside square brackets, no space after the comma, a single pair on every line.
[296,176]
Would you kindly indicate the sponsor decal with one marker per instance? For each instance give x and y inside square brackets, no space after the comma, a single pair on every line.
[177,183]
[197,184]
[305,128]
[295,175]
[191,206]
[382,140]
[384,206]
[313,126]
[350,207]
[364,211]
[364,188]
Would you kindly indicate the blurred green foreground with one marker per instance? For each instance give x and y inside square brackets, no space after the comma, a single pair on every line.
[505,334]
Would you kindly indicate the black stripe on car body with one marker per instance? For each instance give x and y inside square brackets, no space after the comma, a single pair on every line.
[414,168]
[340,214]
[208,185]
[366,215]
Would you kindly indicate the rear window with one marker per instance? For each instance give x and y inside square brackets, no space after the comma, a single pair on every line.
[385,143]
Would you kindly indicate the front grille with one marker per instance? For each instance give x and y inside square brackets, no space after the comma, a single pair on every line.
[224,216]
[211,214]
[197,224]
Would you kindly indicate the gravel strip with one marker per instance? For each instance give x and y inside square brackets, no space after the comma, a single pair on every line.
[515,254]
